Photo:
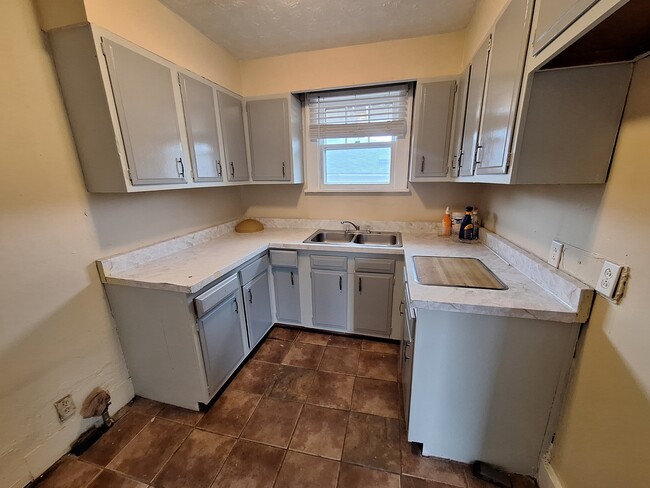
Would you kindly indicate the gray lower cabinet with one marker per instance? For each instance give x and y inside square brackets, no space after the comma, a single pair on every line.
[434,108]
[257,300]
[146,109]
[200,113]
[221,341]
[330,298]
[287,294]
[373,297]
[231,114]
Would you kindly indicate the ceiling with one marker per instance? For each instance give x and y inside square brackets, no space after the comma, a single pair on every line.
[257,28]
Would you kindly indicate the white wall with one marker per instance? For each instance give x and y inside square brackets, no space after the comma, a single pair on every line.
[57,335]
[604,437]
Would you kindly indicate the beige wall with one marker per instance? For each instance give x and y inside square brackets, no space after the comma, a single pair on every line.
[604,437]
[56,331]
[428,56]
[484,16]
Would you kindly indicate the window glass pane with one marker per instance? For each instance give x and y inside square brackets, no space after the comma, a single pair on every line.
[357,166]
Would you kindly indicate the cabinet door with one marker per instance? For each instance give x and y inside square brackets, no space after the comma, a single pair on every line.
[258,308]
[475,91]
[202,133]
[146,109]
[287,294]
[459,122]
[503,84]
[234,140]
[330,298]
[373,296]
[554,16]
[433,132]
[269,138]
[222,341]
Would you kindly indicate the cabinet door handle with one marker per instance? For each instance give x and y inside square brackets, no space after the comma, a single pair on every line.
[236,305]
[181,171]
[250,296]
[219,170]
[359,285]
[292,283]
[341,283]
[478,154]
[422,165]
[283,169]
[401,307]
[232,169]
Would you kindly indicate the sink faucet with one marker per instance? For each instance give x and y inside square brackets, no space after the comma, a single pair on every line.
[356,227]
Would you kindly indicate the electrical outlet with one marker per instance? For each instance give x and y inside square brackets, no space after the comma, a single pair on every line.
[65,408]
[555,254]
[608,279]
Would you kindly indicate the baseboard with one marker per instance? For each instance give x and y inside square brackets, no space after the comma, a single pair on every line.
[546,477]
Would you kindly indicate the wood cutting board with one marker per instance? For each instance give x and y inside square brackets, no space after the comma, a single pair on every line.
[452,271]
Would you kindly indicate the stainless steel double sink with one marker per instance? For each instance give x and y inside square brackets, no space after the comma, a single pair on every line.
[371,238]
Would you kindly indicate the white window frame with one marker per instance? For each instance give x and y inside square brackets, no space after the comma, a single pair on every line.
[399,167]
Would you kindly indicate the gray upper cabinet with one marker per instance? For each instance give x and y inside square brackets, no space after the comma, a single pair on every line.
[553,17]
[373,296]
[434,108]
[474,106]
[275,139]
[459,122]
[503,85]
[146,107]
[234,138]
[199,108]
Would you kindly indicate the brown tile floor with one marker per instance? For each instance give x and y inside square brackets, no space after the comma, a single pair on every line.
[309,410]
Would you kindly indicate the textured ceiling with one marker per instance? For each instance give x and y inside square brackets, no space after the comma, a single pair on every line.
[257,28]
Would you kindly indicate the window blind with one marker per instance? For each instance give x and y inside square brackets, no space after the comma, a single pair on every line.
[361,112]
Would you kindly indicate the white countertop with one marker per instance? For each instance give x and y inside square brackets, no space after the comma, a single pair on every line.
[188,264]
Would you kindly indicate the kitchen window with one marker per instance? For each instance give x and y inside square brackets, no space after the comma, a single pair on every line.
[357,140]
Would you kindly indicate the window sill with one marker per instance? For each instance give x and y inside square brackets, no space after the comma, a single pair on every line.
[358,190]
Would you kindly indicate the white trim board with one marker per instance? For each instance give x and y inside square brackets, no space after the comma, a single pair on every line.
[546,477]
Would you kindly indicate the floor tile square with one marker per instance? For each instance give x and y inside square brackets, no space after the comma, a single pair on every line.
[378,366]
[197,462]
[110,479]
[255,377]
[409,482]
[352,476]
[376,397]
[380,346]
[316,338]
[320,431]
[181,415]
[272,422]
[292,383]
[344,341]
[230,412]
[301,470]
[273,351]
[284,333]
[331,390]
[430,468]
[304,355]
[339,360]
[146,406]
[70,473]
[143,457]
[373,442]
[238,472]
[113,441]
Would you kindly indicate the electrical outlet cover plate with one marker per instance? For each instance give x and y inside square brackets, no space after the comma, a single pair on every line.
[556,253]
[65,408]
[608,279]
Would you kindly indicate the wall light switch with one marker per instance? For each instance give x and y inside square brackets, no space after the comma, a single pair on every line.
[608,279]
[556,253]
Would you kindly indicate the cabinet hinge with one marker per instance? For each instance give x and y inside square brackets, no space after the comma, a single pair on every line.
[128,171]
[103,48]
[508,161]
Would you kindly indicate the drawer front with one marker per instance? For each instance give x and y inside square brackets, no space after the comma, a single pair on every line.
[284,258]
[250,271]
[335,263]
[215,295]
[374,265]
